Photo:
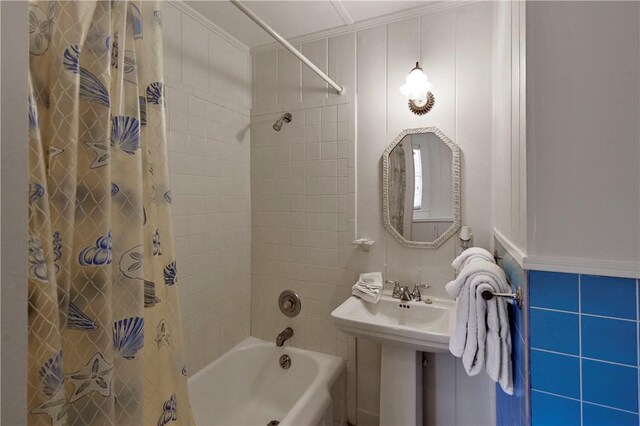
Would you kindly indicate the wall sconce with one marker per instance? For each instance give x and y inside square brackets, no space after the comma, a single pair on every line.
[466,237]
[417,89]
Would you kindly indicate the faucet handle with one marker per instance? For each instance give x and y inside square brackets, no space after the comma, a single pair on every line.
[416,291]
[415,294]
[397,288]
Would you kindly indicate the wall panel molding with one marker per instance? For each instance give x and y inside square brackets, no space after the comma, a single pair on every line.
[607,268]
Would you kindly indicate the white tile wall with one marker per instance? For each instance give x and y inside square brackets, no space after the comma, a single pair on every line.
[302,225]
[455,49]
[208,91]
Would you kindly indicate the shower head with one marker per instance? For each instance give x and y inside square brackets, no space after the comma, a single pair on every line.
[286,117]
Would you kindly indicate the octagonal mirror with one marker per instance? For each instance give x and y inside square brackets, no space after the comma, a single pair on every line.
[421,187]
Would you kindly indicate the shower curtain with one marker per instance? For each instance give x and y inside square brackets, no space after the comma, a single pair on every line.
[397,188]
[105,337]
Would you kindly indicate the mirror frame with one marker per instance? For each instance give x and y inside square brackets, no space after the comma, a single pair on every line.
[455,178]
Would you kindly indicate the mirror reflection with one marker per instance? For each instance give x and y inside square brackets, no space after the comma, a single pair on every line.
[420,187]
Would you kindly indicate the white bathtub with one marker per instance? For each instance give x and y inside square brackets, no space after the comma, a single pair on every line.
[246,386]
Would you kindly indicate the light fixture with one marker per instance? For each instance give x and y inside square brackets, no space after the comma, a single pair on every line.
[466,237]
[417,89]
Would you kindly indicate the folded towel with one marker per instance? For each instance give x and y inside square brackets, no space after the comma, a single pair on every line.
[368,287]
[471,255]
[482,335]
[478,266]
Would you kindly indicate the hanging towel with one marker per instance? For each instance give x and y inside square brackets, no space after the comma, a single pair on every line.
[482,335]
[471,255]
[368,287]
[479,266]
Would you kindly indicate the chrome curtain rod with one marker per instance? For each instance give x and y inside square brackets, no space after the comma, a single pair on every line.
[255,18]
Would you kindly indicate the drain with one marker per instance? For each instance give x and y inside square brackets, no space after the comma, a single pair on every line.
[273,423]
[285,362]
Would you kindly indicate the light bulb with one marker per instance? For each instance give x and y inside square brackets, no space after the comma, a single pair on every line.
[417,85]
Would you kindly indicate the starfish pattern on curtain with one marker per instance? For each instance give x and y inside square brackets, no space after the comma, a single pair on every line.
[105,336]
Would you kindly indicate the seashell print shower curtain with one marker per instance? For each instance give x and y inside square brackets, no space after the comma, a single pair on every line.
[105,337]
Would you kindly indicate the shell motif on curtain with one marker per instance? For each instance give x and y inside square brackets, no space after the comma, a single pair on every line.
[105,336]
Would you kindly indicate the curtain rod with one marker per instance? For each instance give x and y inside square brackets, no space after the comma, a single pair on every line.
[255,18]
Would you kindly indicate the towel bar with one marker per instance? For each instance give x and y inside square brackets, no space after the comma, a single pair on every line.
[488,295]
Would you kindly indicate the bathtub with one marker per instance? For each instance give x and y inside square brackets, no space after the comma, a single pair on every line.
[246,386]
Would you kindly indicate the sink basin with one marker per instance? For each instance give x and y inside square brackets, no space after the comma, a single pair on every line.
[417,325]
[405,329]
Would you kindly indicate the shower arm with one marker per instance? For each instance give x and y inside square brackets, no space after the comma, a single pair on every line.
[255,18]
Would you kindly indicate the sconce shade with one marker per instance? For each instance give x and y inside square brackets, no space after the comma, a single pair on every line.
[417,85]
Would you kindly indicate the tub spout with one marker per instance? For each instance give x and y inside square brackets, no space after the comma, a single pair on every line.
[286,334]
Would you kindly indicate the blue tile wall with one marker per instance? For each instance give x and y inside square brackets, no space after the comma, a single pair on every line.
[512,410]
[551,410]
[556,373]
[596,415]
[611,297]
[583,352]
[565,336]
[554,290]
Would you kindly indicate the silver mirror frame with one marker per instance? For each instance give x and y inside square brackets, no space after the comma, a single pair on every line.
[455,177]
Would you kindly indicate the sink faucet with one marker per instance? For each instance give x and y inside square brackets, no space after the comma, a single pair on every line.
[397,288]
[405,294]
[286,334]
[415,294]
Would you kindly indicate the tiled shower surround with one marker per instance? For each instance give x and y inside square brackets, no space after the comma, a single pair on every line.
[209,171]
[302,195]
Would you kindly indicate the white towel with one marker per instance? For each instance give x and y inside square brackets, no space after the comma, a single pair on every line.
[482,335]
[368,287]
[478,266]
[471,255]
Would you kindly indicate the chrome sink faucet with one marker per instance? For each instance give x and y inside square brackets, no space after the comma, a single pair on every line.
[415,294]
[402,291]
[286,334]
[406,295]
[397,289]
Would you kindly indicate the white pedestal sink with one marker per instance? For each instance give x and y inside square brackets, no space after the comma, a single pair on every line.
[404,329]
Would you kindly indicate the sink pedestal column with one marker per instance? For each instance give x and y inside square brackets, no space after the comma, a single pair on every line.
[400,386]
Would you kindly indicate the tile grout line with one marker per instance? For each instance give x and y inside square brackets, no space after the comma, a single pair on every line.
[557,395]
[580,345]
[538,308]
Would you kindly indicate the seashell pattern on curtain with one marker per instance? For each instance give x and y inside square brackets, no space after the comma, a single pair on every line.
[105,336]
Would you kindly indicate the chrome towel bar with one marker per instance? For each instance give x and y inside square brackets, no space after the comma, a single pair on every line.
[488,295]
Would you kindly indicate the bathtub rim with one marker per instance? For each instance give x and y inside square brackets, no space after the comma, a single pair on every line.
[330,368]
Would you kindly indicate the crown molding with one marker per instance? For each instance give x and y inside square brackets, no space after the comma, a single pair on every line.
[342,11]
[432,7]
[191,12]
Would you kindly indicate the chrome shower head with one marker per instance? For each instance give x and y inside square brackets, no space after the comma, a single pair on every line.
[286,118]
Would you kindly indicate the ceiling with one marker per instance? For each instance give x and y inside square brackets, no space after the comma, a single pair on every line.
[294,18]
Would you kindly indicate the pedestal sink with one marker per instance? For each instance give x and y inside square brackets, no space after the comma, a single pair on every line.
[404,329]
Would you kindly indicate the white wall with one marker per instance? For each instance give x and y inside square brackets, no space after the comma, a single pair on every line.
[456,52]
[14,168]
[583,136]
[208,92]
[509,150]
[455,47]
